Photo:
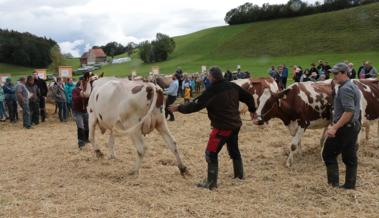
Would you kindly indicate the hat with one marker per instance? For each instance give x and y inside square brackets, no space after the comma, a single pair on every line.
[340,67]
[8,79]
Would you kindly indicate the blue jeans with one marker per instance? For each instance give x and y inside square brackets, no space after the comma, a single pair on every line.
[62,111]
[2,111]
[26,114]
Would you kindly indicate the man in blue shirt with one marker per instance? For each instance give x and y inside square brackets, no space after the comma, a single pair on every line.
[284,76]
[172,93]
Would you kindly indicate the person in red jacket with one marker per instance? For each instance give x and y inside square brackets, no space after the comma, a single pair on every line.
[79,110]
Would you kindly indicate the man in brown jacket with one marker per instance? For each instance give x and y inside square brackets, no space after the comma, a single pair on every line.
[222,102]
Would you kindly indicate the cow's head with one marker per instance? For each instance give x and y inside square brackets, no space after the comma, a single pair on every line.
[268,105]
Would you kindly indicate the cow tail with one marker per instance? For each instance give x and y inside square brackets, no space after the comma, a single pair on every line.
[153,103]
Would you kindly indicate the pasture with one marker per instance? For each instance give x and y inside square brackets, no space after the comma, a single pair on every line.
[43,174]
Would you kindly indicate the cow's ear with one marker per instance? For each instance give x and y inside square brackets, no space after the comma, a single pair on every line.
[281,94]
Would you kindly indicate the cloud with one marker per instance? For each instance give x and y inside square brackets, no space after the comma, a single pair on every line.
[77,25]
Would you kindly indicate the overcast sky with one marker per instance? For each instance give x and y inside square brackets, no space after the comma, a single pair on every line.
[79,24]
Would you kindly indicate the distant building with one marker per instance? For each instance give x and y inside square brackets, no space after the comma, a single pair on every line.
[93,56]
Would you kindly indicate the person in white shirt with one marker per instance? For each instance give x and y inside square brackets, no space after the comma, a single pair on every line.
[172,92]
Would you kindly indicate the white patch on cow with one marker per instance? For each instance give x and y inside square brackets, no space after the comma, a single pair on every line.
[255,97]
[240,82]
[292,127]
[263,100]
[273,86]
[313,95]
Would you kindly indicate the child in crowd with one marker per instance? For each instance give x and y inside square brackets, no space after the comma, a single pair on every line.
[187,93]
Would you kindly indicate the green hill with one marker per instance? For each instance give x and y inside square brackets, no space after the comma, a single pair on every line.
[351,34]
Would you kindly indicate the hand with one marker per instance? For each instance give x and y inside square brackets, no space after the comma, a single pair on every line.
[331,131]
[173,108]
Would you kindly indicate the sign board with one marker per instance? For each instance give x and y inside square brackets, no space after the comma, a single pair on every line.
[3,77]
[203,69]
[155,70]
[65,71]
[41,73]
[134,73]
[238,66]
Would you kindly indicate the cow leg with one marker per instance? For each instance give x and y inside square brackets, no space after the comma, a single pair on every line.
[294,145]
[377,136]
[166,135]
[138,143]
[92,121]
[111,145]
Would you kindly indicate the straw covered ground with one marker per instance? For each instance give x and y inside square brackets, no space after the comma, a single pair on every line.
[43,174]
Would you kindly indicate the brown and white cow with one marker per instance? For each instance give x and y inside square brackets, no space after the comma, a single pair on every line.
[301,106]
[307,105]
[130,107]
[255,87]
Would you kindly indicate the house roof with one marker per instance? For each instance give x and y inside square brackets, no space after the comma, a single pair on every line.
[84,55]
[98,52]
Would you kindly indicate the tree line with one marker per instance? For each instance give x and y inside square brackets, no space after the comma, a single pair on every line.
[114,48]
[25,49]
[249,12]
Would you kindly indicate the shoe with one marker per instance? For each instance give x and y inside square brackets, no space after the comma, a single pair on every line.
[211,182]
[350,177]
[333,175]
[171,119]
[238,169]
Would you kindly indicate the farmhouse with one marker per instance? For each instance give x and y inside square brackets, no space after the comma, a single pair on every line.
[93,56]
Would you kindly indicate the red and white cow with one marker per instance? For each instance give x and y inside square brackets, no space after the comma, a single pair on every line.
[307,105]
[130,107]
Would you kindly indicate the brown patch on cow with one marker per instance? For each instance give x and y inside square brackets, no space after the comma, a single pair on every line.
[160,98]
[137,89]
[97,96]
[149,91]
[90,110]
[101,117]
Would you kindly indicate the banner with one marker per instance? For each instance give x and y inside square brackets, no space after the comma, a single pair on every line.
[3,77]
[155,70]
[41,73]
[65,71]
[203,69]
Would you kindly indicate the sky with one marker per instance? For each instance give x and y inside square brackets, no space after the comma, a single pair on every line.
[77,25]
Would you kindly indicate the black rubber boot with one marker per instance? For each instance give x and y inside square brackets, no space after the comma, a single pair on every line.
[211,181]
[238,169]
[333,175]
[350,177]
[81,138]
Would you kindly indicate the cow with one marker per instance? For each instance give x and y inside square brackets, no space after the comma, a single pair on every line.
[134,108]
[255,87]
[307,105]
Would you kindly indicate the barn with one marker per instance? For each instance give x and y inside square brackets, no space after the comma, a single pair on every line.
[93,56]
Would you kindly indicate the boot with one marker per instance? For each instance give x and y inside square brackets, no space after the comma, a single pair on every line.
[333,175]
[81,138]
[43,115]
[238,168]
[211,181]
[350,177]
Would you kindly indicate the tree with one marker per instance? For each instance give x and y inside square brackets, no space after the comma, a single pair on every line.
[68,55]
[56,57]
[158,50]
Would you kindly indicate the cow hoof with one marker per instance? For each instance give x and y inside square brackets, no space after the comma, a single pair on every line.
[183,171]
[99,154]
[289,163]
[133,173]
[112,157]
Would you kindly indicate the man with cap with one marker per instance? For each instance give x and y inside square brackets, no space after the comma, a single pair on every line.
[222,102]
[343,132]
[79,111]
